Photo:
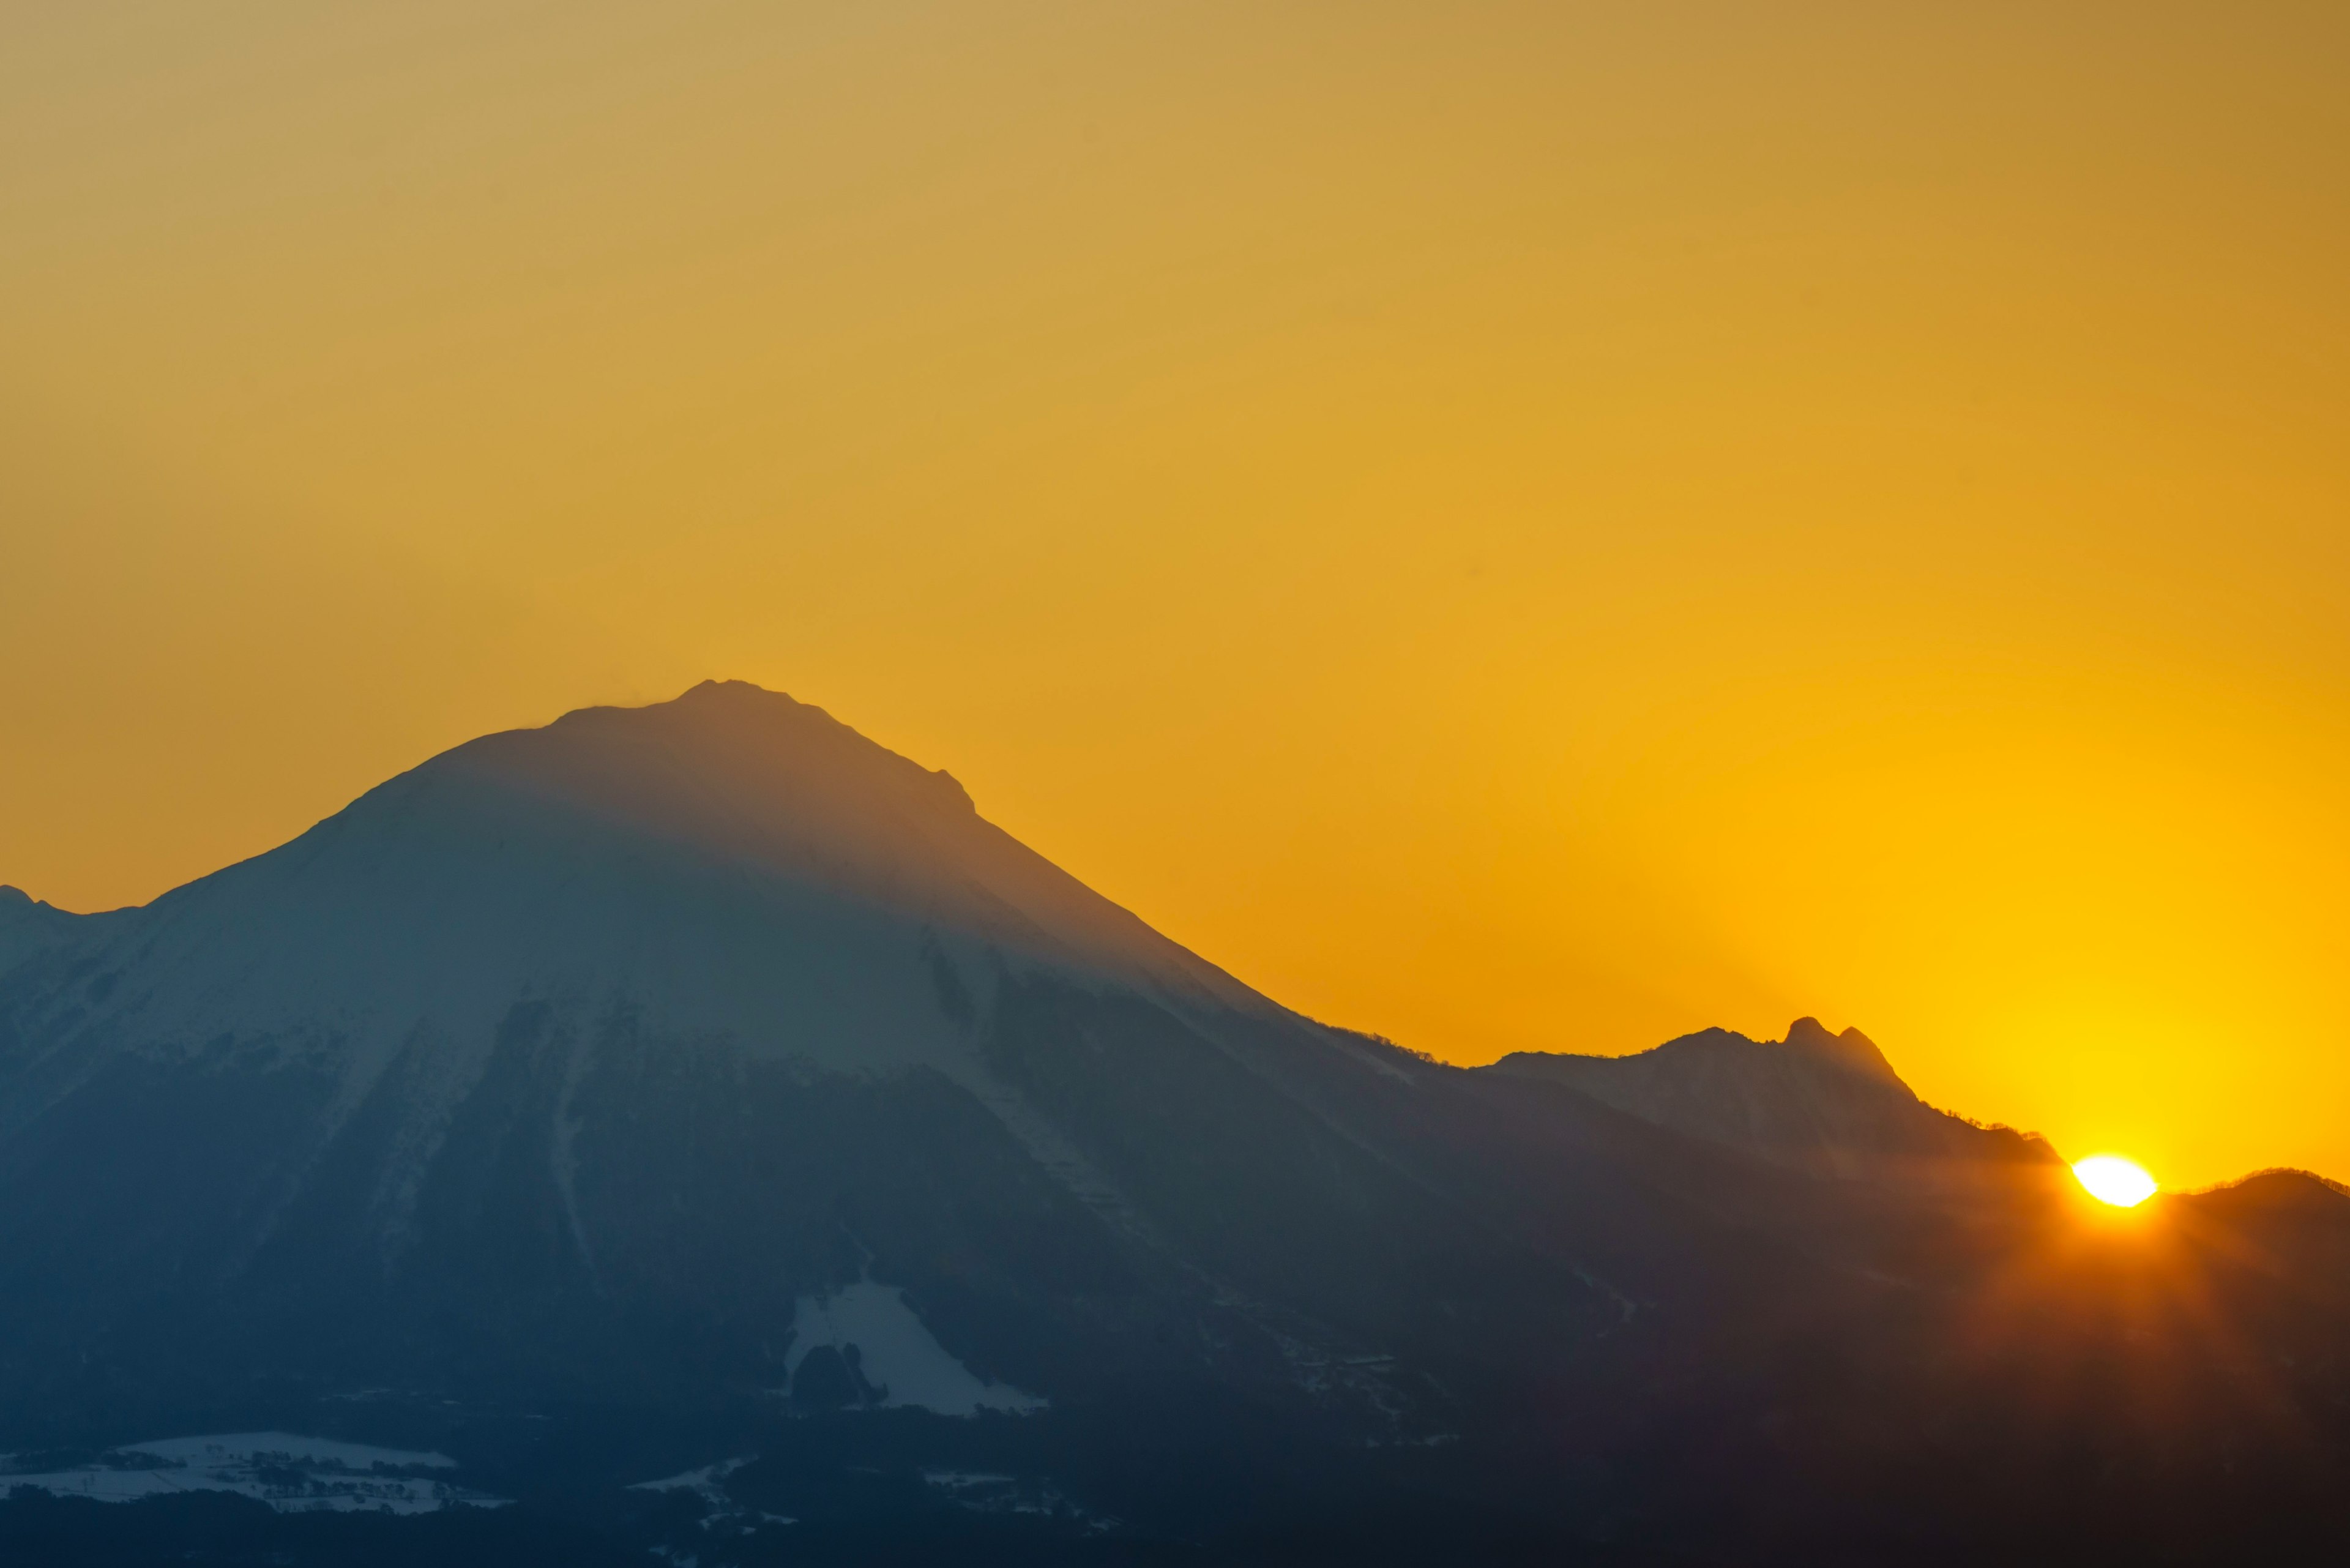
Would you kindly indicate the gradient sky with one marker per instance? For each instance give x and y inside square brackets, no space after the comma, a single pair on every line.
[1511,525]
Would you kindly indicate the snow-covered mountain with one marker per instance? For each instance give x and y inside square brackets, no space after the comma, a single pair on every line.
[703,1012]
[732,869]
[734,862]
[703,1091]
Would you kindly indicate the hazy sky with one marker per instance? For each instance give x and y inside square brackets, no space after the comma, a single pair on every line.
[1536,526]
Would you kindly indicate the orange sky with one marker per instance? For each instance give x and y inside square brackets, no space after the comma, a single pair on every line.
[1533,525]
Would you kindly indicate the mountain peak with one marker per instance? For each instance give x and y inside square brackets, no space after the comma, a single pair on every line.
[713,686]
[1851,1050]
[765,739]
[730,862]
[1808,1033]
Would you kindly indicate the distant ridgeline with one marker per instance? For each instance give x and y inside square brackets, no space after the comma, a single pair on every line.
[695,1129]
[1827,1103]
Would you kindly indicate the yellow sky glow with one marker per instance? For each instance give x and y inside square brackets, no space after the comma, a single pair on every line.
[1513,525]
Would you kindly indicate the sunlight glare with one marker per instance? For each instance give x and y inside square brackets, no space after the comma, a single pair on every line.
[2112,1180]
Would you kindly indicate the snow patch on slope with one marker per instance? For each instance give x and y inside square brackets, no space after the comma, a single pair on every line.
[898,1353]
[987,1491]
[291,1473]
[709,1483]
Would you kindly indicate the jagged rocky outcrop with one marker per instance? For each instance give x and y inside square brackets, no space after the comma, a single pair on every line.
[1824,1103]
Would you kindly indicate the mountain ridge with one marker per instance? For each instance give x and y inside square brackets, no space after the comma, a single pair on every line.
[1826,1103]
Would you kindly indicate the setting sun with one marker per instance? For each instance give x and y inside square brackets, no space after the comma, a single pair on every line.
[2112,1180]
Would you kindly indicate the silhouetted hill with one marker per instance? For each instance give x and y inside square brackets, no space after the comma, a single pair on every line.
[2291,1224]
[1828,1103]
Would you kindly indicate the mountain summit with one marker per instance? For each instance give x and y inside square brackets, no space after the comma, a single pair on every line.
[733,860]
[1852,1050]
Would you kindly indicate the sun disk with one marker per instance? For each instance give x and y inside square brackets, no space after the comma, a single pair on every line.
[2112,1180]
